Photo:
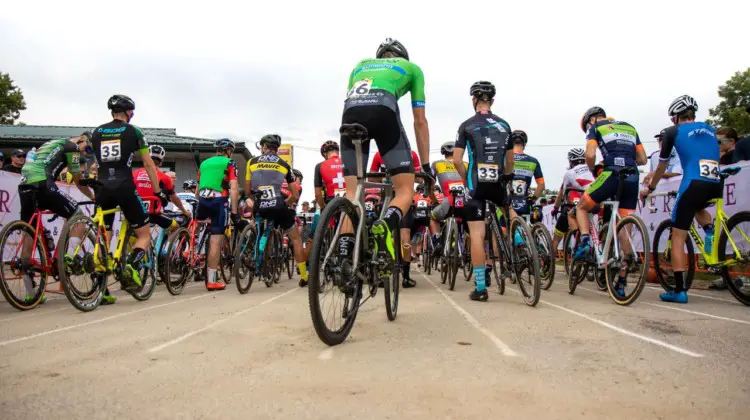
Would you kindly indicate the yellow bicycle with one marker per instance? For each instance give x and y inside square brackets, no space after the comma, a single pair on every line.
[729,256]
[87,260]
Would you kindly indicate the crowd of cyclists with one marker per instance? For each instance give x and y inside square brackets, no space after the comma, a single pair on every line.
[485,169]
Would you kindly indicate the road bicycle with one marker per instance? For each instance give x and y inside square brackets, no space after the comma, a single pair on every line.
[625,248]
[543,242]
[29,257]
[454,241]
[570,242]
[729,256]
[258,254]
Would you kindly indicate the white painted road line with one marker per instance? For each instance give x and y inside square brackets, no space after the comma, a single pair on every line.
[35,313]
[473,321]
[699,295]
[723,318]
[219,322]
[98,321]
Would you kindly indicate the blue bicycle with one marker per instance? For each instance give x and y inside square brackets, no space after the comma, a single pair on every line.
[258,254]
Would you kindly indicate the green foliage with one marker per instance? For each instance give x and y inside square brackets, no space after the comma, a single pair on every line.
[735,98]
[11,100]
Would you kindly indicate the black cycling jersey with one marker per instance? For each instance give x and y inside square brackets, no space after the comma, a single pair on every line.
[115,143]
[486,138]
[267,173]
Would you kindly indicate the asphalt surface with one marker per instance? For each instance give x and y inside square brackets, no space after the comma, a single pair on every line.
[225,355]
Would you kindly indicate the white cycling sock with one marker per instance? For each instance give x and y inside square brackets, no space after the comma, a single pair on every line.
[211,275]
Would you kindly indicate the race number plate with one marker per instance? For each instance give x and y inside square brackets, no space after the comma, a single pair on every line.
[709,169]
[110,150]
[360,88]
[519,187]
[488,172]
[267,193]
[339,193]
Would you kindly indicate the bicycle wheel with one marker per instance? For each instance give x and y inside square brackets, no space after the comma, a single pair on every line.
[465,259]
[289,261]
[662,257]
[145,272]
[737,275]
[83,275]
[427,255]
[527,260]
[226,260]
[332,279]
[636,262]
[21,282]
[391,285]
[443,269]
[570,241]
[177,261]
[546,254]
[244,257]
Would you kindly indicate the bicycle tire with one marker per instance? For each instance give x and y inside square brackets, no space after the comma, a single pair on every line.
[146,272]
[609,271]
[289,262]
[89,300]
[568,251]
[329,218]
[226,260]
[661,267]
[178,244]
[530,296]
[244,255]
[546,261]
[465,260]
[392,285]
[736,291]
[16,262]
[453,260]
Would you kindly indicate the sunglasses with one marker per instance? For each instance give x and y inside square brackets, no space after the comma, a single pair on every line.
[724,140]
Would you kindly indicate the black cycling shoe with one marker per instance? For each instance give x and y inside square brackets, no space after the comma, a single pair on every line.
[408,283]
[479,296]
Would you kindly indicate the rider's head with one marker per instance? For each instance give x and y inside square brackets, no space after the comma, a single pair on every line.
[329,149]
[189,185]
[447,149]
[576,157]
[391,48]
[297,175]
[682,110]
[270,143]
[157,154]
[84,143]
[419,189]
[224,147]
[519,139]
[122,107]
[591,116]
[437,190]
[482,95]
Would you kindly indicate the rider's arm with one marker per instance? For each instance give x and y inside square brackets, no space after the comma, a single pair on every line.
[293,193]
[559,197]
[318,184]
[591,146]
[458,153]
[510,156]
[83,189]
[539,178]
[421,129]
[73,159]
[248,179]
[234,192]
[640,152]
[667,144]
[150,167]
[319,197]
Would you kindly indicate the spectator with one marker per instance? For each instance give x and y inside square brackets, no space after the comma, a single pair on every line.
[93,171]
[2,160]
[17,159]
[674,168]
[727,137]
[173,177]
[742,148]
[306,207]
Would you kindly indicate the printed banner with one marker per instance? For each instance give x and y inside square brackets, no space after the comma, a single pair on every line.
[286,152]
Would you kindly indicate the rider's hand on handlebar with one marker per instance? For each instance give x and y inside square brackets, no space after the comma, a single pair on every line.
[235,218]
[162,197]
[427,172]
[555,212]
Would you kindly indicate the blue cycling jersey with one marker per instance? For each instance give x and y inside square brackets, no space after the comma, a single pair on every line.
[618,142]
[698,149]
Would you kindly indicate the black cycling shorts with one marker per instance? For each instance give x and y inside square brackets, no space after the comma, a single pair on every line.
[125,196]
[695,197]
[215,209]
[384,125]
[474,209]
[562,225]
[283,217]
[45,197]
[605,188]
[161,220]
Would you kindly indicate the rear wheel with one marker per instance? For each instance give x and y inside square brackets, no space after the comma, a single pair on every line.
[83,275]
[145,272]
[662,257]
[737,275]
[546,254]
[226,260]
[635,261]
[244,256]
[22,278]
[177,261]
[391,285]
[526,270]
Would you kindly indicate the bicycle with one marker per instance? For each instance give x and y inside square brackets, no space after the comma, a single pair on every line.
[34,269]
[608,256]
[97,261]
[454,240]
[570,243]
[330,274]
[543,241]
[718,260]
[257,255]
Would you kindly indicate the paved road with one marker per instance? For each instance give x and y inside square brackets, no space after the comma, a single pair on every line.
[225,355]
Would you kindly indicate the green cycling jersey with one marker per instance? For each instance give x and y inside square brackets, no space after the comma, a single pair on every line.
[394,75]
[46,162]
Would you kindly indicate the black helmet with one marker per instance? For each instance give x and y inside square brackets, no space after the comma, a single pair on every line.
[224,144]
[519,136]
[272,140]
[297,174]
[593,111]
[391,45]
[483,90]
[328,146]
[420,188]
[189,184]
[120,103]
[447,148]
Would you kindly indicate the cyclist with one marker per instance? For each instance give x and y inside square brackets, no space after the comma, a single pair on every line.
[487,137]
[329,175]
[375,85]
[416,217]
[264,176]
[525,168]
[38,189]
[447,178]
[187,197]
[698,148]
[145,189]
[115,143]
[577,176]
[621,148]
[217,185]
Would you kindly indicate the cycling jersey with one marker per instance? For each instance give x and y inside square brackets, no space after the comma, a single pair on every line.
[448,177]
[115,143]
[421,206]
[383,81]
[377,164]
[329,175]
[48,161]
[267,173]
[214,176]
[525,168]
[143,183]
[617,140]
[673,166]
[578,177]
[188,201]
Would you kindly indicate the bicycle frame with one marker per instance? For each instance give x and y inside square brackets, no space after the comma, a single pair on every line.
[102,232]
[599,251]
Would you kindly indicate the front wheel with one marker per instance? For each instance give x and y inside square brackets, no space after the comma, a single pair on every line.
[83,275]
[177,261]
[526,261]
[633,261]
[145,272]
[662,256]
[244,260]
[736,274]
[22,277]
[546,254]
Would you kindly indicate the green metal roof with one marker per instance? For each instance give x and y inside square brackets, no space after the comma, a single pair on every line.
[46,132]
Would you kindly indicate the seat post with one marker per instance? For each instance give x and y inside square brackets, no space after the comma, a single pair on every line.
[358,150]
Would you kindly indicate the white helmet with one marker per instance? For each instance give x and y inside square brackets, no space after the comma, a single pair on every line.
[682,104]
[576,154]
[157,152]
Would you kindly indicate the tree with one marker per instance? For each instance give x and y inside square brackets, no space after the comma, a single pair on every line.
[735,99]
[11,100]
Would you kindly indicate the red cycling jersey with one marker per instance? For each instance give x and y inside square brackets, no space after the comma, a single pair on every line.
[329,175]
[143,183]
[378,165]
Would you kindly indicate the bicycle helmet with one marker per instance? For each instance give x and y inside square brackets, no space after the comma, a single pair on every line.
[120,103]
[682,104]
[419,188]
[189,185]
[482,90]
[576,154]
[447,148]
[297,174]
[591,112]
[224,144]
[328,146]
[393,46]
[519,136]
[437,189]
[272,140]
[157,152]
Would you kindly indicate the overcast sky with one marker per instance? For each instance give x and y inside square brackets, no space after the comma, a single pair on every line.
[243,69]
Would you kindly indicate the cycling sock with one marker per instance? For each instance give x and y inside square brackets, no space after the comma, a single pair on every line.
[211,275]
[585,239]
[135,257]
[346,245]
[679,282]
[393,217]
[405,270]
[479,277]
[302,270]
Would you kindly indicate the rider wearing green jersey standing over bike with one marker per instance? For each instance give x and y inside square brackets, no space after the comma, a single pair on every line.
[375,86]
